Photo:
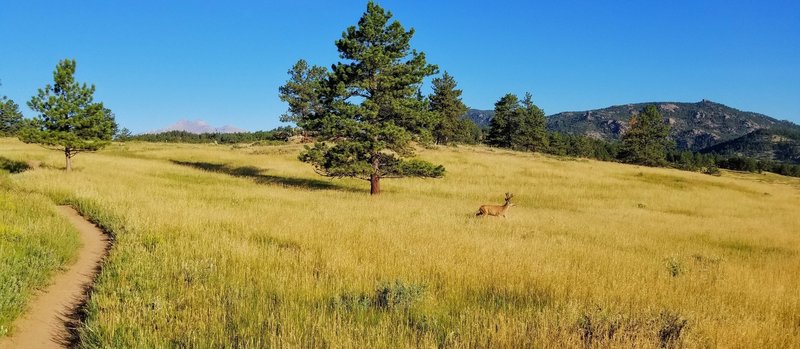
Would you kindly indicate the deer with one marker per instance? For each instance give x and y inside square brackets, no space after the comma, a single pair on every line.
[496,210]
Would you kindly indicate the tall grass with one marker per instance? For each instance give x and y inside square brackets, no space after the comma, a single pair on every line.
[220,246]
[34,242]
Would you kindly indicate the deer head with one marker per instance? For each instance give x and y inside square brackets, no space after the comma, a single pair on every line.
[508,199]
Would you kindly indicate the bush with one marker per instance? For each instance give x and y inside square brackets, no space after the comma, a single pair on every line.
[712,170]
[386,297]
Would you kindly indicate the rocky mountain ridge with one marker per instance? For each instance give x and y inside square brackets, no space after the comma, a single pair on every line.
[694,126]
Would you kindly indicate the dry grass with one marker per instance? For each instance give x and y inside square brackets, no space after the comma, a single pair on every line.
[220,246]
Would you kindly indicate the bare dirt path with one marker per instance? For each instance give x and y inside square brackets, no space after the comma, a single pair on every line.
[51,313]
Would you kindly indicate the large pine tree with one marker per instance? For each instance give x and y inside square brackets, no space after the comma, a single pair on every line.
[69,119]
[646,142]
[371,109]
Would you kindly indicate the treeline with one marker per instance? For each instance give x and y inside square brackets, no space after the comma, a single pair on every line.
[694,161]
[581,146]
[738,163]
[521,125]
[278,134]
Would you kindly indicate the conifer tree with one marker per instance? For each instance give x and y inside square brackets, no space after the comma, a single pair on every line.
[69,119]
[371,108]
[450,125]
[646,142]
[10,117]
[518,124]
[530,127]
[304,92]
[501,128]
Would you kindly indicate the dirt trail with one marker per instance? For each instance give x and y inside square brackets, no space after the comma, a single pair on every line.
[51,313]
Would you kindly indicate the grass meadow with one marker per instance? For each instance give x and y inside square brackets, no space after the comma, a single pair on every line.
[245,247]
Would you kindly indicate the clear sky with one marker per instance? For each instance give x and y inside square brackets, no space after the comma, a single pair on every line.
[155,62]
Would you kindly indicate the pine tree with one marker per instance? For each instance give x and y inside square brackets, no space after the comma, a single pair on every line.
[69,119]
[445,102]
[371,106]
[529,131]
[10,117]
[518,125]
[646,142]
[305,92]
[501,128]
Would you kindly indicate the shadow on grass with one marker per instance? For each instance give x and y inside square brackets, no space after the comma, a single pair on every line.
[13,166]
[259,177]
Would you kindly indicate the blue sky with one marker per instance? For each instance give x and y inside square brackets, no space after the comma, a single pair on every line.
[155,62]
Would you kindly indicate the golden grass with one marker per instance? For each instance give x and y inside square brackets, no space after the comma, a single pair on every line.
[220,246]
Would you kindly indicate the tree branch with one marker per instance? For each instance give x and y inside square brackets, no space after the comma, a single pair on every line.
[320,172]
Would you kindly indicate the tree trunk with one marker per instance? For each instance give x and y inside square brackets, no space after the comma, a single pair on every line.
[69,159]
[374,184]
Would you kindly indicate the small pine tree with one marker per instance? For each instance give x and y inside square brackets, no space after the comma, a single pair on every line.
[646,142]
[69,119]
[10,117]
[304,92]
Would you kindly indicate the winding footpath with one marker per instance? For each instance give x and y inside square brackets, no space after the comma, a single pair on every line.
[51,316]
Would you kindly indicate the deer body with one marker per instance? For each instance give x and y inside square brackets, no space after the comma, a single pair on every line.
[496,210]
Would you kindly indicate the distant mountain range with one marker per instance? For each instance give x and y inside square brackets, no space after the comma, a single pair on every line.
[198,126]
[694,126]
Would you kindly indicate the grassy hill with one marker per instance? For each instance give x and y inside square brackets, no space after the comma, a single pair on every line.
[244,246]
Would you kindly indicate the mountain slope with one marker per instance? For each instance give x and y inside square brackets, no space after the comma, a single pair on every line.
[695,126]
[481,118]
[779,144]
